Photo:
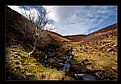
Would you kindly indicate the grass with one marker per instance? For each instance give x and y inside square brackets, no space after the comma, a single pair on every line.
[92,56]
[97,54]
[29,69]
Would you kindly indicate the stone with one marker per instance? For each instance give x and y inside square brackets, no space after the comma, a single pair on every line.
[114,45]
[15,52]
[18,63]
[114,68]
[110,49]
[28,73]
[18,66]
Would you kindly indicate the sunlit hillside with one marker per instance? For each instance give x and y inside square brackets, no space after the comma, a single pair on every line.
[57,57]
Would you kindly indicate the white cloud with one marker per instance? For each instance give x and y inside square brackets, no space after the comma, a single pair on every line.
[78,19]
[83,19]
[72,29]
[52,12]
[32,12]
[16,8]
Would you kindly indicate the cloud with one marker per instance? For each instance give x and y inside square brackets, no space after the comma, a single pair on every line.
[78,19]
[16,8]
[51,12]
[72,29]
[32,12]
[84,19]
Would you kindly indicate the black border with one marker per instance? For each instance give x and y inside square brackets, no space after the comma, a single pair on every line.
[2,43]
[50,2]
[62,2]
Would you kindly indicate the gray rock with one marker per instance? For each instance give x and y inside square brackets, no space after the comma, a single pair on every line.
[18,66]
[114,45]
[110,49]
[19,63]
[28,74]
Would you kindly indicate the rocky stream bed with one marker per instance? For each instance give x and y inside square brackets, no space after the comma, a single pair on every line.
[64,65]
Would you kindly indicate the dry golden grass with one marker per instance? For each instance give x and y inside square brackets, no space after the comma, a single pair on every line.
[99,55]
[17,62]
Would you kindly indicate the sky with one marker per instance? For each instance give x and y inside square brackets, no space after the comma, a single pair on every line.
[72,20]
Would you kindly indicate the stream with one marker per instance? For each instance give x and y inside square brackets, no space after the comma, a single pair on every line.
[65,66]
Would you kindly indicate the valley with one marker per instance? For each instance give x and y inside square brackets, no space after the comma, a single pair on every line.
[57,57]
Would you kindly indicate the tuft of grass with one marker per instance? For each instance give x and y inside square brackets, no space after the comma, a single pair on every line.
[28,69]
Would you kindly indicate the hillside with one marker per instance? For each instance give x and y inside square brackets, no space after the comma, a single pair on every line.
[100,34]
[100,50]
[108,28]
[75,38]
[58,37]
[19,42]
[57,57]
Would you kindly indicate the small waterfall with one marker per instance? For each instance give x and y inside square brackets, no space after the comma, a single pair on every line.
[65,65]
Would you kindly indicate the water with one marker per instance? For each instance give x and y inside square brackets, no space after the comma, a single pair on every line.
[65,66]
[85,76]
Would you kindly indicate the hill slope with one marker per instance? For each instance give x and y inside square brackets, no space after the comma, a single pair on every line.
[58,37]
[100,34]
[75,38]
[19,42]
[58,57]
[99,49]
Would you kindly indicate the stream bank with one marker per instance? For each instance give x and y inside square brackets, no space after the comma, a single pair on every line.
[65,62]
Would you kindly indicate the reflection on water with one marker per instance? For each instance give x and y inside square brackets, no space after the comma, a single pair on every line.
[85,76]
